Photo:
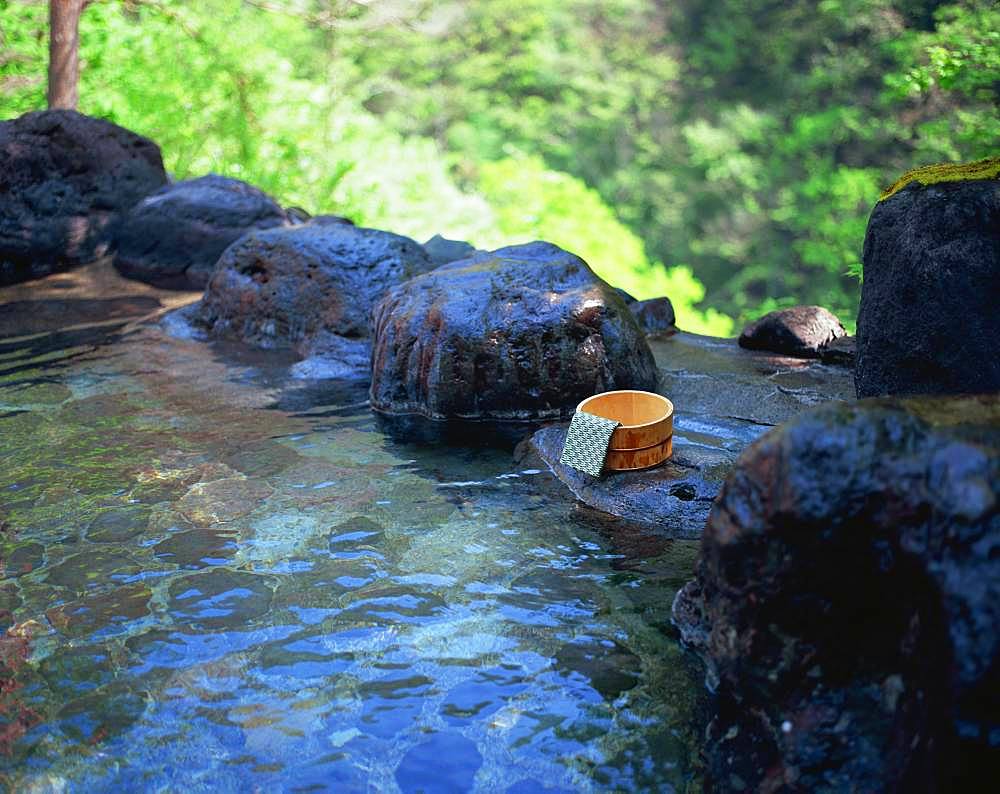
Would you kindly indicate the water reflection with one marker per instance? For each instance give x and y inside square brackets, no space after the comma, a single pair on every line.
[217,578]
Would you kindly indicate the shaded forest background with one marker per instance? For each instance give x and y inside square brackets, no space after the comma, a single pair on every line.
[723,152]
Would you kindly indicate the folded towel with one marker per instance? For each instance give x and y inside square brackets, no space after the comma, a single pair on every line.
[587,443]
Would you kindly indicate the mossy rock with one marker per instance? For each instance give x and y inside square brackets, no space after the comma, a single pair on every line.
[988,168]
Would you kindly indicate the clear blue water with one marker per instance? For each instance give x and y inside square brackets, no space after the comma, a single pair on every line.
[217,578]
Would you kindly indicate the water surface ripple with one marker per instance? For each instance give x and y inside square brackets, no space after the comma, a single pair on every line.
[218,578]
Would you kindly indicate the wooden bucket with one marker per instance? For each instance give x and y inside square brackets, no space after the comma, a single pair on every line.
[645,437]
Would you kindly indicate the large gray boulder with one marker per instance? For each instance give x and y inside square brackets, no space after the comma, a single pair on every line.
[520,333]
[65,181]
[174,237]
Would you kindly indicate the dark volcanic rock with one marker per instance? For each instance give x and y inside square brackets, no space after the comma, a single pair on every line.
[799,331]
[929,322]
[301,286]
[65,179]
[174,237]
[847,601]
[441,250]
[674,498]
[655,315]
[297,215]
[625,296]
[840,352]
[521,333]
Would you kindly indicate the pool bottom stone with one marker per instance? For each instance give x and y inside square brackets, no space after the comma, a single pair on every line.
[218,594]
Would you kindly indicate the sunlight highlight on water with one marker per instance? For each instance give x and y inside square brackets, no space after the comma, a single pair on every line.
[220,578]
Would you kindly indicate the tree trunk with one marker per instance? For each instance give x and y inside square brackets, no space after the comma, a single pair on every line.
[64,52]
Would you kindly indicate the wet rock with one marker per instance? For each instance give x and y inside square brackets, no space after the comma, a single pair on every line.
[330,220]
[220,501]
[310,287]
[714,377]
[847,599]
[674,497]
[521,333]
[724,398]
[65,180]
[625,296]
[928,321]
[840,352]
[655,315]
[799,331]
[297,215]
[442,250]
[174,237]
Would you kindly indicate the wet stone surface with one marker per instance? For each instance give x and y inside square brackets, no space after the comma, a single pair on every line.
[725,398]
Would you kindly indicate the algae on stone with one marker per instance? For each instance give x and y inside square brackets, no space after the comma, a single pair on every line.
[987,168]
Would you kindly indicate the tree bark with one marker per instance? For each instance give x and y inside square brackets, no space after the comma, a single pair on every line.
[64,52]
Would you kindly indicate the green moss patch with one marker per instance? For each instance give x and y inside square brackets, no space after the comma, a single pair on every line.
[988,168]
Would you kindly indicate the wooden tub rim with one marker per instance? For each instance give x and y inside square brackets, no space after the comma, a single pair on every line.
[667,403]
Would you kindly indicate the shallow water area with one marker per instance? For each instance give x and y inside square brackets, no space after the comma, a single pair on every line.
[217,577]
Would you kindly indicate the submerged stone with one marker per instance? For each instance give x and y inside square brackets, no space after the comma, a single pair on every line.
[222,500]
[93,568]
[86,616]
[220,598]
[422,769]
[119,523]
[198,548]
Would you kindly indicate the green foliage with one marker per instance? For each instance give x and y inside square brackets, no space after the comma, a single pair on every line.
[535,203]
[746,139]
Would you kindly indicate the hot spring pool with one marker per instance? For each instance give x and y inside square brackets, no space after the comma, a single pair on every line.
[219,578]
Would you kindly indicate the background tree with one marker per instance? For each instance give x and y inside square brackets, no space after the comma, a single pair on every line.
[64,52]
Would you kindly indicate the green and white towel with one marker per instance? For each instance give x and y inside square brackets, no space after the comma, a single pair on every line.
[587,442]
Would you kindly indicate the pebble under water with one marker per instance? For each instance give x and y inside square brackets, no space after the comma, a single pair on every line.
[217,578]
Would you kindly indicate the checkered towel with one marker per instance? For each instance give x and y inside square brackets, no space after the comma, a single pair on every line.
[587,443]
